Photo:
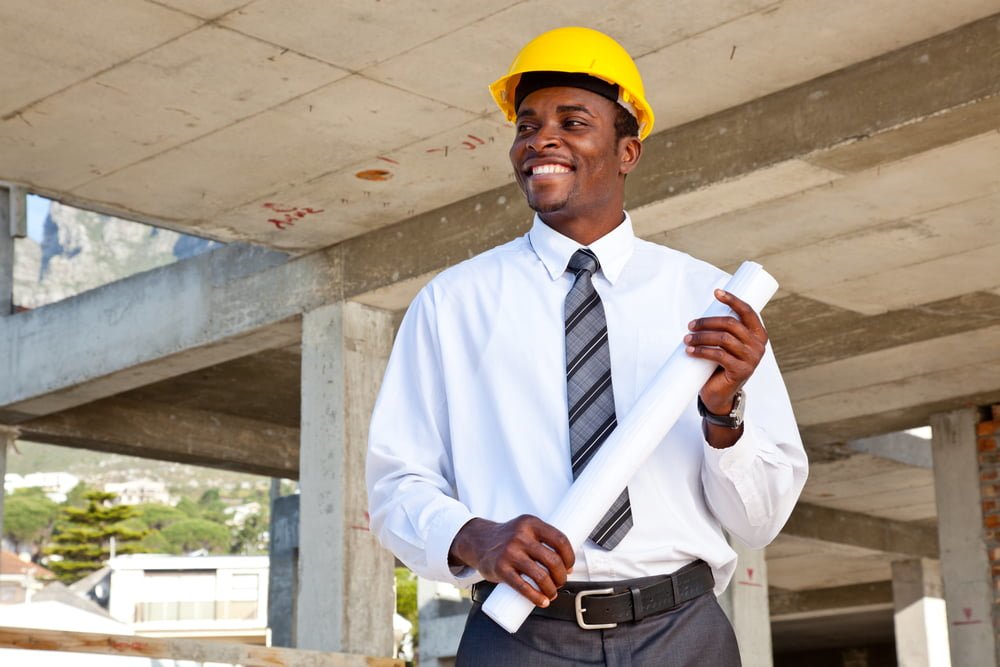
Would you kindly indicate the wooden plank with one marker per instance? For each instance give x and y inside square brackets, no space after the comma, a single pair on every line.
[182,649]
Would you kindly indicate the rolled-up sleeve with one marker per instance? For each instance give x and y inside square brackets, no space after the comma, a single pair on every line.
[752,486]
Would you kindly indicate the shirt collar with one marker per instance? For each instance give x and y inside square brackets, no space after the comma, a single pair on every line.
[613,249]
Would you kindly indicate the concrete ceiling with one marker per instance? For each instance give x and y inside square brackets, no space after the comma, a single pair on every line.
[853,148]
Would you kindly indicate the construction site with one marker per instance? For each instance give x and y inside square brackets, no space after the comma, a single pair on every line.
[339,155]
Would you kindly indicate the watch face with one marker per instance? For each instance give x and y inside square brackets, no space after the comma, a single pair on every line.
[738,405]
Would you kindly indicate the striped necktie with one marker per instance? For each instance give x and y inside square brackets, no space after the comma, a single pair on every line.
[589,392]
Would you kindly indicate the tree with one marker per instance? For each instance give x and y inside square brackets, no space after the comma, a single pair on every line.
[158,516]
[193,534]
[249,537]
[28,519]
[83,536]
[406,597]
[211,506]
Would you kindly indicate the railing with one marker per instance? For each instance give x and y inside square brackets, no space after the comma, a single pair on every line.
[195,650]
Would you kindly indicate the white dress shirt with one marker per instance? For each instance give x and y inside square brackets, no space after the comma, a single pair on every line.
[471,420]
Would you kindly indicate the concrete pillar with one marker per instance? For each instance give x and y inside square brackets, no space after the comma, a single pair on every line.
[345,594]
[8,434]
[6,254]
[965,567]
[746,604]
[442,613]
[920,619]
[283,576]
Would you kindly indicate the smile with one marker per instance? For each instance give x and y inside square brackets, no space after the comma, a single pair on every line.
[549,169]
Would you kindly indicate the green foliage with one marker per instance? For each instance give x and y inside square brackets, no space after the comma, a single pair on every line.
[83,536]
[193,534]
[77,496]
[211,506]
[189,507]
[158,517]
[28,518]
[249,539]
[406,596]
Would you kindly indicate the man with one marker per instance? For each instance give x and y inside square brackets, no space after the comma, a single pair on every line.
[512,368]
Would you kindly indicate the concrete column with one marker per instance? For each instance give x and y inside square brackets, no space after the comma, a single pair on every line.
[746,604]
[442,613]
[8,435]
[965,568]
[920,619]
[6,254]
[345,594]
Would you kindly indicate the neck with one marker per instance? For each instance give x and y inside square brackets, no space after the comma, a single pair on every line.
[583,230]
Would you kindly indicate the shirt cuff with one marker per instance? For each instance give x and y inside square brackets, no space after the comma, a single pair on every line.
[736,464]
[442,533]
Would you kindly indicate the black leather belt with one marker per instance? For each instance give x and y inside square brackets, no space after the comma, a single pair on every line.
[598,605]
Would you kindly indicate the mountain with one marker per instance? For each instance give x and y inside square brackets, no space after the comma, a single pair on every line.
[81,250]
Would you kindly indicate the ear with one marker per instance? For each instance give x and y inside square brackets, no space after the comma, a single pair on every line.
[629,150]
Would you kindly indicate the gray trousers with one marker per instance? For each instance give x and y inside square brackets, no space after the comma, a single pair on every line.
[694,634]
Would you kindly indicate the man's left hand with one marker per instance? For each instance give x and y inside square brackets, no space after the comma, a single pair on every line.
[736,344]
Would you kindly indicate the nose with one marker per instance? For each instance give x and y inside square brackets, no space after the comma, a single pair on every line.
[545,137]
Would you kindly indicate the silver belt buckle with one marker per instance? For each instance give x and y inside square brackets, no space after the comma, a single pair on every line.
[578,603]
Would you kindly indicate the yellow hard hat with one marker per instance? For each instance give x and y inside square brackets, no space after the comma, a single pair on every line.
[579,50]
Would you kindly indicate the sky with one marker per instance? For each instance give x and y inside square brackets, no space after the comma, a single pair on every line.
[38,208]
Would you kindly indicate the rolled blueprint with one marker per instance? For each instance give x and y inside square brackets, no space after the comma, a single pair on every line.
[655,412]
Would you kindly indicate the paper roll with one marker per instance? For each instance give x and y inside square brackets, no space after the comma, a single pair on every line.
[655,412]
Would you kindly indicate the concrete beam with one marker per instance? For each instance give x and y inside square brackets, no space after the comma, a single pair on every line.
[899,419]
[156,431]
[152,320]
[791,605]
[162,323]
[862,530]
[900,446]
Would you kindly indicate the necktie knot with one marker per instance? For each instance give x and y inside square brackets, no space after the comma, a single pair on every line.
[584,259]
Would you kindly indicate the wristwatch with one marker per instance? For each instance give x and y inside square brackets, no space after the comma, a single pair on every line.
[735,417]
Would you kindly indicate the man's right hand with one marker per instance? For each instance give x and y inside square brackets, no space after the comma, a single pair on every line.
[502,552]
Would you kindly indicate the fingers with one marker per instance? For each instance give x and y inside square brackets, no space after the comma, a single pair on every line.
[526,553]
[560,546]
[746,325]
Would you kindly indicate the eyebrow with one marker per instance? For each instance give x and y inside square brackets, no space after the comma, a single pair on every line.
[565,108]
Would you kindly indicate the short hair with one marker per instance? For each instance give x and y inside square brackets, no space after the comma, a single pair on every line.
[626,124]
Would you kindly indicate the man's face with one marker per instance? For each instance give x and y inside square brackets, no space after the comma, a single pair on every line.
[565,155]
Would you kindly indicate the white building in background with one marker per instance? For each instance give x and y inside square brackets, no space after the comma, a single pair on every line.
[138,491]
[56,485]
[222,597]
[20,579]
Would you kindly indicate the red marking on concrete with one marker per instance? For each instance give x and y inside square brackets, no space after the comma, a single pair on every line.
[290,214]
[750,583]
[374,175]
[277,207]
[469,145]
[967,612]
[475,138]
[281,224]
[749,573]
[387,159]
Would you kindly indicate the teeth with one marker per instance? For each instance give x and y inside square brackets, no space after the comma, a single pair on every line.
[549,169]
